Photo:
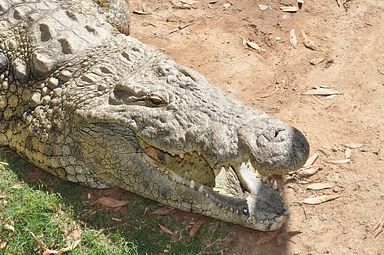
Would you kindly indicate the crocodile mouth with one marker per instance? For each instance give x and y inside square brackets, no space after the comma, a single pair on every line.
[243,195]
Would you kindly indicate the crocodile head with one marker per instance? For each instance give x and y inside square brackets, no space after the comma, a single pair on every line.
[194,147]
[91,105]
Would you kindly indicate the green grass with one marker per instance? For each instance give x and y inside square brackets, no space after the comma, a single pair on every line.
[35,203]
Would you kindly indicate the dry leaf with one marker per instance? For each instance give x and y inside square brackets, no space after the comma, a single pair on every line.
[166,230]
[311,160]
[9,227]
[320,199]
[111,202]
[196,227]
[263,7]
[289,8]
[253,45]
[74,234]
[16,186]
[163,211]
[293,38]
[266,237]
[226,5]
[339,161]
[3,245]
[308,42]
[320,186]
[317,60]
[49,252]
[348,153]
[305,172]
[319,91]
[353,145]
[283,237]
[140,12]
[189,2]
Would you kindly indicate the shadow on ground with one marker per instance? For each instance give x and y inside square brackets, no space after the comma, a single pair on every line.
[141,222]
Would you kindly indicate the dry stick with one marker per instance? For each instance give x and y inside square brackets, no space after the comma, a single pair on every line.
[378,225]
[208,246]
[180,28]
[39,242]
[276,89]
[45,249]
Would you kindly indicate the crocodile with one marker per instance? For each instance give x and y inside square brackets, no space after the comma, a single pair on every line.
[85,101]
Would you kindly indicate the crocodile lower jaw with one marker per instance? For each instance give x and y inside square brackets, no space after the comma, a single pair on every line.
[229,186]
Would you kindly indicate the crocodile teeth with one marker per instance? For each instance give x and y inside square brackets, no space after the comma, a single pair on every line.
[264,179]
[192,184]
[248,178]
[279,219]
[274,185]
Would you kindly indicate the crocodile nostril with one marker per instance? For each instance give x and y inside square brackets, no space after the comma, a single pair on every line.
[278,131]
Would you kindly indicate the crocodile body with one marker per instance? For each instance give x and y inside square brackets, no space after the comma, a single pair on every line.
[84,101]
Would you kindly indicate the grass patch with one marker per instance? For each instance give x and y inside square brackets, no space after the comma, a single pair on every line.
[25,211]
[35,203]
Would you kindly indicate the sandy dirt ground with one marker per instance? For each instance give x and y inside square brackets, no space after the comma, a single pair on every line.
[209,36]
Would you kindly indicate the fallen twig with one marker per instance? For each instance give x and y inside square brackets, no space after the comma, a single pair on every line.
[71,246]
[180,28]
[271,94]
[40,243]
[379,226]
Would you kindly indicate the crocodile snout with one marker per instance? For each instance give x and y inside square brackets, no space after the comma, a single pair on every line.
[274,146]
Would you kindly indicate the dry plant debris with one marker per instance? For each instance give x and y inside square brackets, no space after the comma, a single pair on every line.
[308,169]
[263,7]
[196,227]
[320,186]
[293,38]
[311,160]
[353,145]
[306,172]
[308,42]
[283,237]
[289,8]
[227,5]
[379,226]
[166,230]
[164,210]
[339,161]
[73,240]
[180,28]
[111,202]
[252,45]
[322,91]
[3,244]
[348,153]
[317,60]
[320,199]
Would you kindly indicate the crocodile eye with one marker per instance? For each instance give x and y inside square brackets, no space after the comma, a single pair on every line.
[156,100]
[245,211]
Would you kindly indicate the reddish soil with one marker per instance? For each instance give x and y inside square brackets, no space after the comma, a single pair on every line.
[209,38]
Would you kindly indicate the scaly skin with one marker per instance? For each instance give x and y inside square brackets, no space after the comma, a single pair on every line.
[95,106]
